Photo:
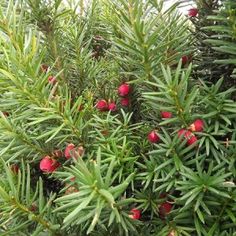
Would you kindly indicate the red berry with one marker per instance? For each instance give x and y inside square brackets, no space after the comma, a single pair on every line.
[166,114]
[52,79]
[192,140]
[102,105]
[185,59]
[165,209]
[47,164]
[197,126]
[153,137]
[68,151]
[192,12]
[112,106]
[185,133]
[124,90]
[189,136]
[124,102]
[135,214]
[72,151]
[182,132]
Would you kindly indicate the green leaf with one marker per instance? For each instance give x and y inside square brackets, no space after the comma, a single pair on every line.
[75,213]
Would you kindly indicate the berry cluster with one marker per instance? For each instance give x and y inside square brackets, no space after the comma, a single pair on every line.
[123,91]
[196,126]
[164,209]
[103,105]
[50,163]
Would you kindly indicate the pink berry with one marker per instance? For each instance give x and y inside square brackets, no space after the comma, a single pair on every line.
[102,105]
[135,214]
[182,132]
[47,164]
[185,59]
[197,126]
[124,90]
[153,137]
[68,151]
[192,12]
[189,136]
[166,114]
[124,102]
[192,140]
[112,106]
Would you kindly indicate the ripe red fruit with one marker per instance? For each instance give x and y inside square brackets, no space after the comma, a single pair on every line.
[47,164]
[182,133]
[135,214]
[102,105]
[68,150]
[72,151]
[153,137]
[124,102]
[197,126]
[112,106]
[189,136]
[192,140]
[185,59]
[166,114]
[193,12]
[165,209]
[52,79]
[124,90]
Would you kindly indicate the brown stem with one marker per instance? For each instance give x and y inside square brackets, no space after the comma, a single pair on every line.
[36,218]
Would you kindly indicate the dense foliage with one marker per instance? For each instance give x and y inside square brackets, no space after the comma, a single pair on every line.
[117,118]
